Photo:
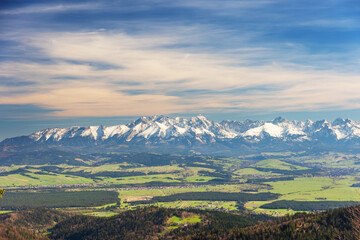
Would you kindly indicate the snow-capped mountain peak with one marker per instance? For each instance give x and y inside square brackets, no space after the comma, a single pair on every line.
[279,120]
[160,129]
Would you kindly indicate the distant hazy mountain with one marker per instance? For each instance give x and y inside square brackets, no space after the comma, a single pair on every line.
[169,134]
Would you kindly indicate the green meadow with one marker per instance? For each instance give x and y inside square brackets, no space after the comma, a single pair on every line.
[277,164]
[252,171]
[175,221]
[137,179]
[204,205]
[32,179]
[170,191]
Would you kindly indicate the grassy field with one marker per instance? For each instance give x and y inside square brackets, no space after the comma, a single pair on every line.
[251,173]
[308,189]
[131,195]
[335,160]
[166,178]
[101,214]
[205,205]
[40,179]
[317,188]
[169,191]
[96,169]
[158,169]
[195,178]
[175,221]
[275,212]
[2,212]
[20,176]
[277,164]
[128,168]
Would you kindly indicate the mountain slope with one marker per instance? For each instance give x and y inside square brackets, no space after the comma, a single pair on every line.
[200,134]
[11,232]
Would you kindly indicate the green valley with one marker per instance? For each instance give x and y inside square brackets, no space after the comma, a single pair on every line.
[247,183]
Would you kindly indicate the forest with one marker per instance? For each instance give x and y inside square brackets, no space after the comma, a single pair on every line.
[21,200]
[214,196]
[158,223]
[308,205]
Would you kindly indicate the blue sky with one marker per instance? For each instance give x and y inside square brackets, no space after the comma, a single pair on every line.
[66,63]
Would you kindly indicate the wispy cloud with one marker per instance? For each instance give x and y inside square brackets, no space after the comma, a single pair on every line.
[342,23]
[21,111]
[148,57]
[158,71]
[221,6]
[49,8]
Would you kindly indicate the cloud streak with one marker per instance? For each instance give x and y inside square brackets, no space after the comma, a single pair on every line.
[157,57]
[46,8]
[157,71]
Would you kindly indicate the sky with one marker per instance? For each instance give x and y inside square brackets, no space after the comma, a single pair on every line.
[65,63]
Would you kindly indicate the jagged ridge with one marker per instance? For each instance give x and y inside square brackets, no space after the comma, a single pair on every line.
[158,130]
[202,130]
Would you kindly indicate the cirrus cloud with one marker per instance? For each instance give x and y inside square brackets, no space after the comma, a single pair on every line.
[70,82]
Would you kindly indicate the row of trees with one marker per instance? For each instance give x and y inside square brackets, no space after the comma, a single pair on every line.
[307,205]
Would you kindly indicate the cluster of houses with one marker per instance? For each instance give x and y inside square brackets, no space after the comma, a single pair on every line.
[162,187]
[67,185]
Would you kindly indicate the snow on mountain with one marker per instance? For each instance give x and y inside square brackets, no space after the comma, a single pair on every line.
[346,129]
[200,130]
[268,128]
[240,127]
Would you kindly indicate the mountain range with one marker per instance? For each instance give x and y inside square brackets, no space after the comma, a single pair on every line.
[198,134]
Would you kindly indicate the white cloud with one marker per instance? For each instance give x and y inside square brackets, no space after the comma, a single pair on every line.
[224,6]
[49,8]
[341,23]
[159,70]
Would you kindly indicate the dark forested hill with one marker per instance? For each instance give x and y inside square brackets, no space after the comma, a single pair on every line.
[35,219]
[160,223]
[10,232]
[340,223]
[149,223]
